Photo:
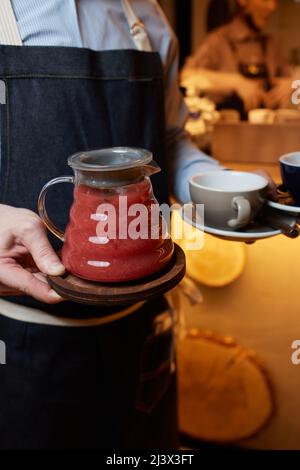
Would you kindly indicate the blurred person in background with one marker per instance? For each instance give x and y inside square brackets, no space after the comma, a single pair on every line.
[241,63]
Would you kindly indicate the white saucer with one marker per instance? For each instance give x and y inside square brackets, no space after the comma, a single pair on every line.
[253,232]
[284,207]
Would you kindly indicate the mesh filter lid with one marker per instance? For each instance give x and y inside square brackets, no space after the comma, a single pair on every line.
[110,159]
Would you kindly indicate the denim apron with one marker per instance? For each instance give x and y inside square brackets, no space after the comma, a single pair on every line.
[111,386]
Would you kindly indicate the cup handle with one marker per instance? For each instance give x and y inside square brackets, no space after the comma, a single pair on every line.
[243,207]
[42,206]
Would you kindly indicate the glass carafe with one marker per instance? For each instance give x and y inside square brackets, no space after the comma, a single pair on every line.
[115,231]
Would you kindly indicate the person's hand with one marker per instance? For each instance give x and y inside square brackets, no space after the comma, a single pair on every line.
[26,256]
[249,91]
[272,189]
[280,95]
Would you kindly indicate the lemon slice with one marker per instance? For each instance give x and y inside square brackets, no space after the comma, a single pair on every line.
[218,263]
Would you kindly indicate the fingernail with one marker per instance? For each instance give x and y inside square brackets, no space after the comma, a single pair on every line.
[55,295]
[55,269]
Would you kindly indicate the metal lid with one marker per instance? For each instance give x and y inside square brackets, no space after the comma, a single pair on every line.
[110,159]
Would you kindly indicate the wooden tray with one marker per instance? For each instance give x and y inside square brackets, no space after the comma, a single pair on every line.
[92,293]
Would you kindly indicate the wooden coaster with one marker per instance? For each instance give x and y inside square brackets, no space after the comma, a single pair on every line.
[93,293]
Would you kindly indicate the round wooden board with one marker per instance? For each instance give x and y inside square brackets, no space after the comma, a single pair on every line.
[107,294]
[224,392]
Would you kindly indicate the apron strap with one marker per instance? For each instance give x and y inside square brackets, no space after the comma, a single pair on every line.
[34,315]
[9,31]
[137,28]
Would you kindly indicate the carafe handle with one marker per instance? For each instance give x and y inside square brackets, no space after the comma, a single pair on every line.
[42,206]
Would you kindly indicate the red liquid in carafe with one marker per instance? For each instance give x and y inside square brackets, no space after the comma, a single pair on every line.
[91,255]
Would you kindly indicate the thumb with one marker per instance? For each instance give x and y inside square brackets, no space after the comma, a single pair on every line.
[43,254]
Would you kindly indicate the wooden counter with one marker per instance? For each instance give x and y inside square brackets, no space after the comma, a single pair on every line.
[272,168]
[261,143]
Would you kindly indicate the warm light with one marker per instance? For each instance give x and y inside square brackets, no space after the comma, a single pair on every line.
[218,263]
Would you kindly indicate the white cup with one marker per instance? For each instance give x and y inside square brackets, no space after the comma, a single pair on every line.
[261,116]
[231,198]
